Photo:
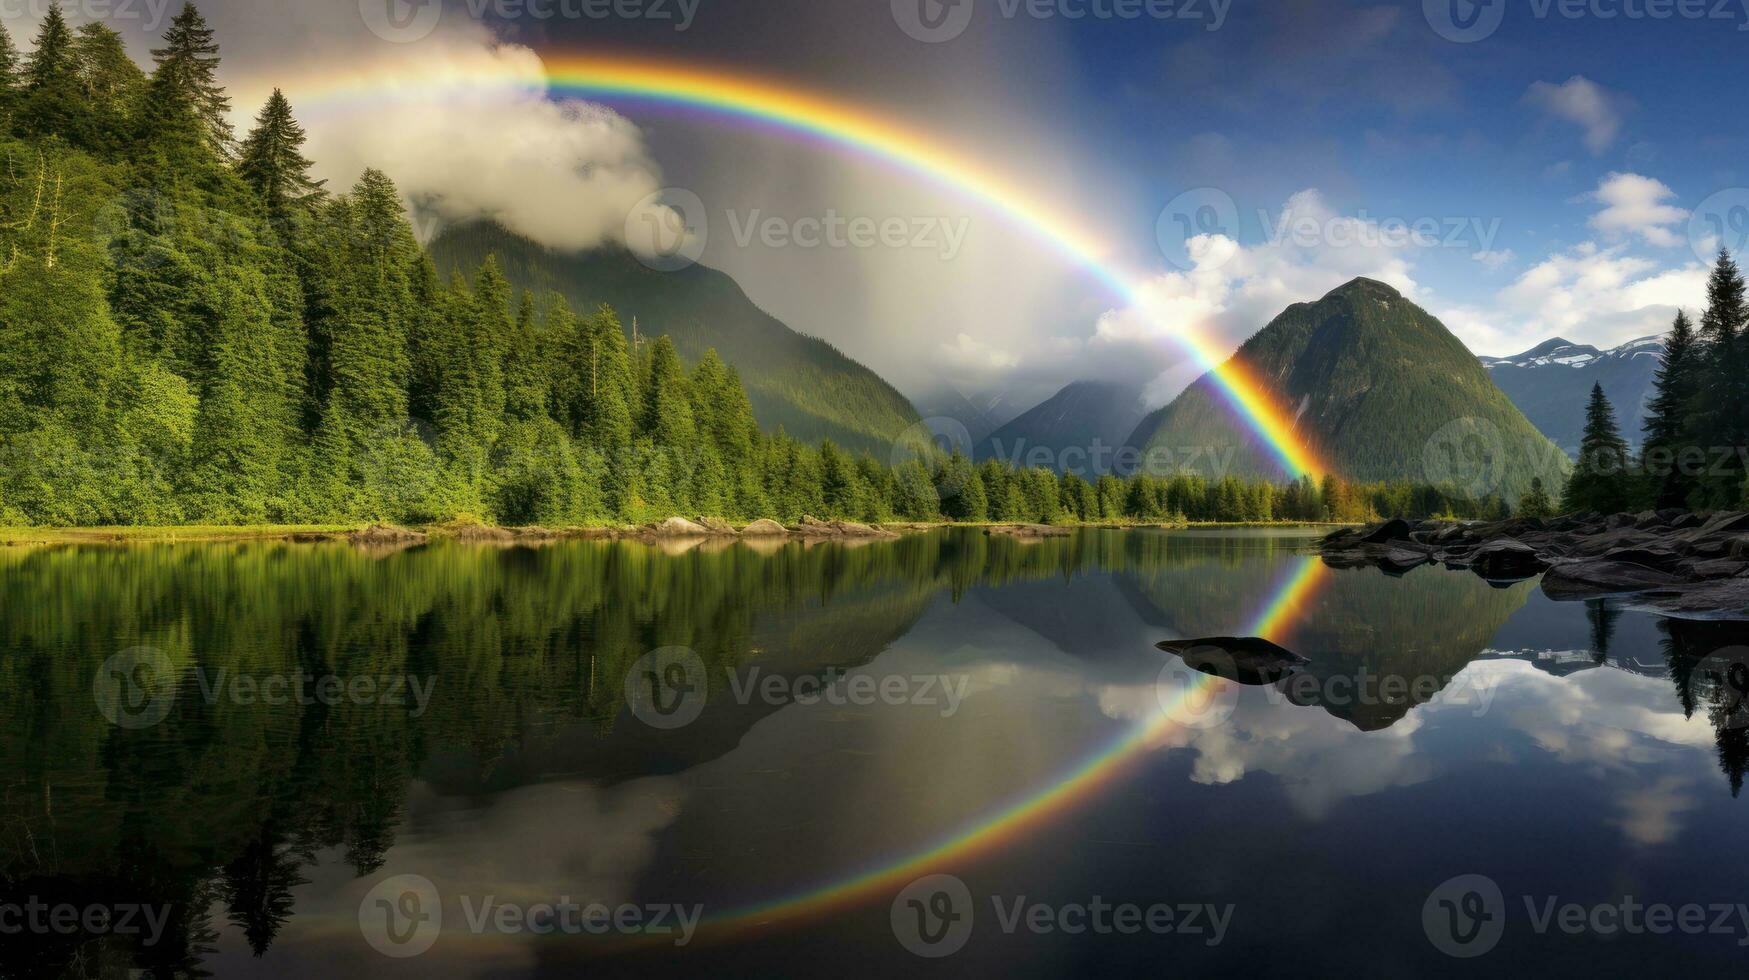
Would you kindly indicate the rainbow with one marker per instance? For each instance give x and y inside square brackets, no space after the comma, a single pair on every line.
[1093,773]
[611,79]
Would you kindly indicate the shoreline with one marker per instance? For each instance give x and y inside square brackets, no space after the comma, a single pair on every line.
[314,533]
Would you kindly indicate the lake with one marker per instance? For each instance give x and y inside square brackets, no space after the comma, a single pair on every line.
[949,753]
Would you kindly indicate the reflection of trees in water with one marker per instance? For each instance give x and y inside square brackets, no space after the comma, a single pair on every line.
[1602,616]
[1708,661]
[224,805]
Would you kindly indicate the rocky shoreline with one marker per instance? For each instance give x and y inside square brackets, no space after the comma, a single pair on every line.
[1672,562]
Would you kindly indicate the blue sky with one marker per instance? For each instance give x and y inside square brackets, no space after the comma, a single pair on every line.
[1558,160]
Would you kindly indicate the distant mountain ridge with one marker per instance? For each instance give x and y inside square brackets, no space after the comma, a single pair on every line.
[1378,387]
[1551,382]
[801,383]
[1080,428]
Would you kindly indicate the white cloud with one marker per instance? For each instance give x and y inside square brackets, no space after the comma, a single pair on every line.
[1494,259]
[1583,102]
[1233,290]
[1636,205]
[969,355]
[458,119]
[463,125]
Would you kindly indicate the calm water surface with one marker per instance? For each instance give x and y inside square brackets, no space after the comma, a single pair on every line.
[287,757]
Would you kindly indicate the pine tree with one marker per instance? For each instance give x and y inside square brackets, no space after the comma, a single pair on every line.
[52,103]
[1600,478]
[1536,503]
[51,57]
[1721,402]
[9,65]
[188,64]
[272,163]
[608,392]
[109,79]
[1667,423]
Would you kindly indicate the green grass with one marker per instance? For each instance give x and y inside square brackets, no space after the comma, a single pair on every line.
[128,535]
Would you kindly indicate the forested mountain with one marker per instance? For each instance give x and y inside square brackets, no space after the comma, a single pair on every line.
[1549,384]
[1080,428]
[801,383]
[193,330]
[1371,380]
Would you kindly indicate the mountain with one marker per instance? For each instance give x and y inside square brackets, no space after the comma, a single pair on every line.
[1551,382]
[1081,426]
[801,383]
[945,404]
[1382,391]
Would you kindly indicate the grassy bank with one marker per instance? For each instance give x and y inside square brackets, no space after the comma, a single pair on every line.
[13,536]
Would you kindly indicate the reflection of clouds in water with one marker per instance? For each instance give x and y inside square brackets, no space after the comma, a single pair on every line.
[1320,759]
[1618,724]
[535,844]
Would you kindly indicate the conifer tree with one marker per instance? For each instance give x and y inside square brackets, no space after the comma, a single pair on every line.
[1600,479]
[1667,422]
[110,81]
[51,57]
[272,162]
[608,392]
[52,102]
[1536,502]
[1722,396]
[9,67]
[188,65]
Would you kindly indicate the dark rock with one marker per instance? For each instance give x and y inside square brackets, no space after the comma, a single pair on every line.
[1721,599]
[1249,660]
[1397,530]
[1686,519]
[1715,568]
[1726,522]
[1587,579]
[1620,520]
[1663,559]
[1668,515]
[1505,558]
[1647,519]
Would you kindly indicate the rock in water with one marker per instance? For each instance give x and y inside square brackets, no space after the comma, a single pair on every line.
[1249,660]
[1504,558]
[678,527]
[765,527]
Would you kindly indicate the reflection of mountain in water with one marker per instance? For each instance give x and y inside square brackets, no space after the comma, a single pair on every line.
[226,803]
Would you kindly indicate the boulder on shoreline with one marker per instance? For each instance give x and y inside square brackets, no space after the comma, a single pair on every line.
[765,527]
[1679,562]
[378,535]
[812,527]
[677,527]
[1027,531]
